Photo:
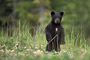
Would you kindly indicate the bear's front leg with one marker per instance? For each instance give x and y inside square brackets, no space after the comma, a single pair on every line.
[49,47]
[57,46]
[48,37]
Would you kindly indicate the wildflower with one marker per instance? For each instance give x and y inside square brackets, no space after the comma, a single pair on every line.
[28,49]
[38,53]
[20,53]
[64,51]
[36,47]
[12,51]
[24,47]
[2,51]
[14,48]
[84,50]
[57,52]
[16,45]
[81,56]
[41,45]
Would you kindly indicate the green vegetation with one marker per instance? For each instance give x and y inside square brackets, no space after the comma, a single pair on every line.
[24,47]
[22,29]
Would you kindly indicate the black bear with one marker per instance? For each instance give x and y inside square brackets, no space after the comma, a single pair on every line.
[54,31]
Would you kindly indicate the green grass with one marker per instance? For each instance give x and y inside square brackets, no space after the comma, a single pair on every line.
[21,46]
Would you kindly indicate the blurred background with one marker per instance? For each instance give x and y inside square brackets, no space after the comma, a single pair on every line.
[36,13]
[22,29]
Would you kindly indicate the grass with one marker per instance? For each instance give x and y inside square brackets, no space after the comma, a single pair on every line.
[21,46]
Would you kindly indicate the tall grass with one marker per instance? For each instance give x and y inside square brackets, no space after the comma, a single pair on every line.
[21,45]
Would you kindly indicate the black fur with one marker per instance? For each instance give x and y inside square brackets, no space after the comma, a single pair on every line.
[50,31]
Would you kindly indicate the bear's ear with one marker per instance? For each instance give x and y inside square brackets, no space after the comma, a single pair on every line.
[52,13]
[61,13]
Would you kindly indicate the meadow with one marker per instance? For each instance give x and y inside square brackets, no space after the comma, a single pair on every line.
[22,46]
[19,16]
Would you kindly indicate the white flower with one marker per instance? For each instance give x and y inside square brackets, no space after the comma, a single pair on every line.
[38,53]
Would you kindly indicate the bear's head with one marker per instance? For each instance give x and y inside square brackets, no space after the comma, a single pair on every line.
[56,17]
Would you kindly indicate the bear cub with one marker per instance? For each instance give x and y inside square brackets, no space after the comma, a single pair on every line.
[55,32]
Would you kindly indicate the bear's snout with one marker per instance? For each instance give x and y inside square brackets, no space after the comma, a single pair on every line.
[57,20]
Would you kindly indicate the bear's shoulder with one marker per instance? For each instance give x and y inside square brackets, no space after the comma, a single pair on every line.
[49,26]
